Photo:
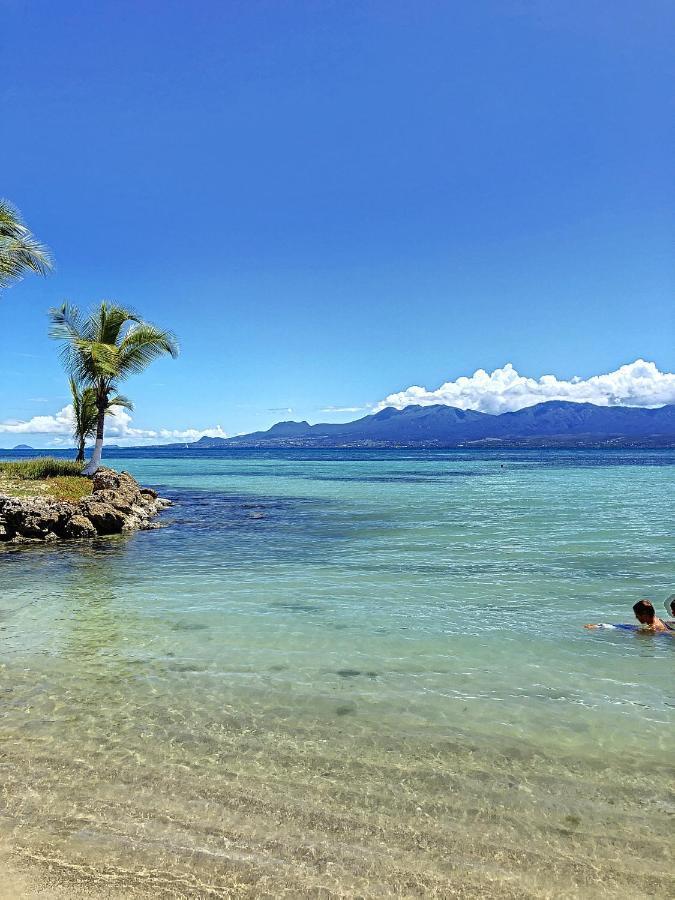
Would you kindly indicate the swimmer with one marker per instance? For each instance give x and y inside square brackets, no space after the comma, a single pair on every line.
[646,616]
[670,607]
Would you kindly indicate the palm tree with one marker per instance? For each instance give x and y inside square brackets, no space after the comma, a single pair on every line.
[19,251]
[103,348]
[85,413]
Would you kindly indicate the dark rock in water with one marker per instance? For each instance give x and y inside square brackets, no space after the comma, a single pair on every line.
[79,527]
[346,709]
[117,503]
[32,517]
[103,516]
[40,524]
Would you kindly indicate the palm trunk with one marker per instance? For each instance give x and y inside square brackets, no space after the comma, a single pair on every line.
[95,460]
[80,451]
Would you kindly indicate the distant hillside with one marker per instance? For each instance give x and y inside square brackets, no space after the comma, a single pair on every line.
[555,423]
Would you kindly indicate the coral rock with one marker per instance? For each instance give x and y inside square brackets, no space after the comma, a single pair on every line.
[79,527]
[117,503]
[103,516]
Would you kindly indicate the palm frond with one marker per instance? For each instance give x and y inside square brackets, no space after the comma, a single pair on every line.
[84,410]
[77,397]
[101,358]
[111,319]
[142,344]
[19,250]
[10,220]
[120,401]
[66,322]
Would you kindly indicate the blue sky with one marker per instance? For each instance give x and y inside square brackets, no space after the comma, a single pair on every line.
[331,202]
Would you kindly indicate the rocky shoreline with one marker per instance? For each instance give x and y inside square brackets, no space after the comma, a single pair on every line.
[117,503]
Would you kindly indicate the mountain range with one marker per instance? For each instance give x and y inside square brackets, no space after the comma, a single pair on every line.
[554,423]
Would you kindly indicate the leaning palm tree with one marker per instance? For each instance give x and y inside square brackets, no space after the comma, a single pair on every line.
[19,251]
[104,348]
[85,413]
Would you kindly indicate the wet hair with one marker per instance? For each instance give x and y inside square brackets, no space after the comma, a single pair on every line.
[670,604]
[644,608]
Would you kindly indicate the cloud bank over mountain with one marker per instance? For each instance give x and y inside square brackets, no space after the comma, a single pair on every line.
[639,383]
[118,427]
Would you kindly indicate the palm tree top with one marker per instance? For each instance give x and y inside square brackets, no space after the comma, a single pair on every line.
[102,348]
[112,342]
[19,250]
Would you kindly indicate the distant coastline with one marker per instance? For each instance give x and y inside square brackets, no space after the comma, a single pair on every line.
[555,424]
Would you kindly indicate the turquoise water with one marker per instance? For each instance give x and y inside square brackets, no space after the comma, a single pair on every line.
[350,675]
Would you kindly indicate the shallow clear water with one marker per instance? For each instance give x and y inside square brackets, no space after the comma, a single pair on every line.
[349,674]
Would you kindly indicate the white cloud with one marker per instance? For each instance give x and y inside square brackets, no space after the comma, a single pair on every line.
[60,428]
[344,409]
[636,384]
[60,423]
[119,426]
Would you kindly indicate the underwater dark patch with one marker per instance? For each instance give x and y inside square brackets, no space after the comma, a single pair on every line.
[297,607]
[185,667]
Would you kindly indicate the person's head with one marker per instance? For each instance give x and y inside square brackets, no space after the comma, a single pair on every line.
[670,604]
[644,612]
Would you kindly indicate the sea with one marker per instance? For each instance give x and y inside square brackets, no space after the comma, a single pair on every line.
[347,674]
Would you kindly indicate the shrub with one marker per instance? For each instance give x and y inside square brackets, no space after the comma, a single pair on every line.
[40,467]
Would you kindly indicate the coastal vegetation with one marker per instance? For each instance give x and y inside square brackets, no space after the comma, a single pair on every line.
[103,348]
[20,252]
[44,476]
[40,467]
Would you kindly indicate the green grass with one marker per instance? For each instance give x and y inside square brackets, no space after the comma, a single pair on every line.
[68,487]
[40,467]
[44,476]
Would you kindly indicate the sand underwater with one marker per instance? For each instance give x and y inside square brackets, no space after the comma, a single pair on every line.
[347,675]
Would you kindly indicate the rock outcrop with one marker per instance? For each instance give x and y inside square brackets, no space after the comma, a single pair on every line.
[117,503]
